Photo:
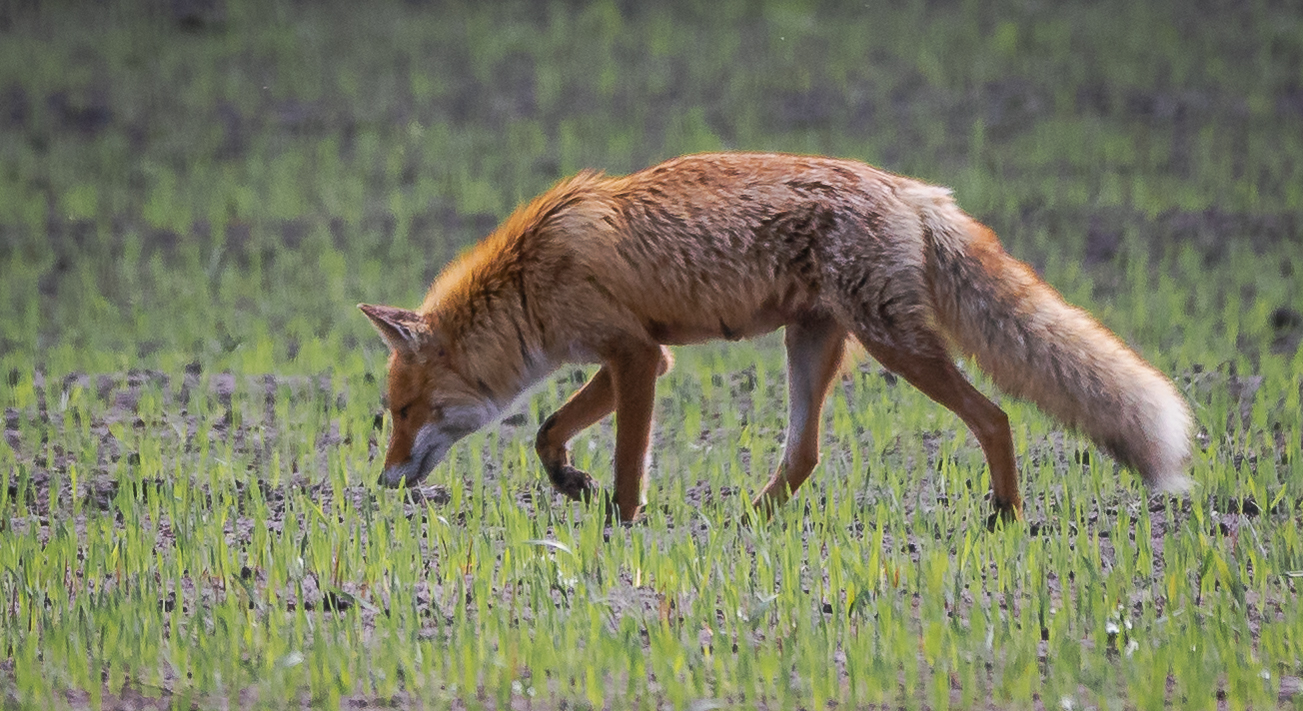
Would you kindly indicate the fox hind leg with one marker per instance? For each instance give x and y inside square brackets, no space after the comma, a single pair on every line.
[814,354]
[931,370]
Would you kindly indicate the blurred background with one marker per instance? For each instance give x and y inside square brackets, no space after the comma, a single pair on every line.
[220,181]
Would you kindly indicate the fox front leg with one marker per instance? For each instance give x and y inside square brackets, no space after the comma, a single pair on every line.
[593,402]
[634,369]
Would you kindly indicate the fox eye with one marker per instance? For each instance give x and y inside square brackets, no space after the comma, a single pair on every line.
[402,412]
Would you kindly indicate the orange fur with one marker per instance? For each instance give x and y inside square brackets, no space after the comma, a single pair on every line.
[611,270]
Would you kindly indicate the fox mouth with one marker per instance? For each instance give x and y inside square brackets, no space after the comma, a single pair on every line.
[431,444]
[410,472]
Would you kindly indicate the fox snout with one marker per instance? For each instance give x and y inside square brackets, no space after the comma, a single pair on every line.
[397,475]
[406,473]
[431,442]
[428,448]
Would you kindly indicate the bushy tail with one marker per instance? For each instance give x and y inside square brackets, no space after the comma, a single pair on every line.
[1036,346]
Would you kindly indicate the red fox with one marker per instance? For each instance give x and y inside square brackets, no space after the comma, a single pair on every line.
[611,270]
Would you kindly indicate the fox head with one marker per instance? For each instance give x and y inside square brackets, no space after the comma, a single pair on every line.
[431,403]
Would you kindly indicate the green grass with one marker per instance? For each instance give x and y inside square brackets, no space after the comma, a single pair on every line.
[189,212]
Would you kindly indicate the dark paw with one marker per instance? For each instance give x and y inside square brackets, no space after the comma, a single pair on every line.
[574,483]
[758,516]
[1003,515]
[616,517]
[763,508]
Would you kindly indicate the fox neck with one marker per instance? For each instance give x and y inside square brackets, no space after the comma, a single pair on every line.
[489,303]
[494,346]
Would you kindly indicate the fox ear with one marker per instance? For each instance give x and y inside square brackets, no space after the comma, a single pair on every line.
[406,332]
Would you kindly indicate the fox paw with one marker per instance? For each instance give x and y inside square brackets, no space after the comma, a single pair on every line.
[1003,515]
[616,517]
[574,483]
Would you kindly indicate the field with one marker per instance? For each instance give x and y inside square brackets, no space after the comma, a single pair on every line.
[195,194]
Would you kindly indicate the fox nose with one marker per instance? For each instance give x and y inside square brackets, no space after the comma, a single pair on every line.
[412,470]
[392,477]
[404,473]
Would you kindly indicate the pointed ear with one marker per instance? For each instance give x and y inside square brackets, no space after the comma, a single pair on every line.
[406,332]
